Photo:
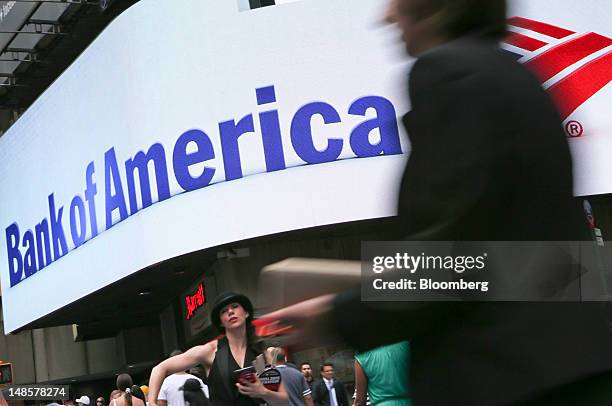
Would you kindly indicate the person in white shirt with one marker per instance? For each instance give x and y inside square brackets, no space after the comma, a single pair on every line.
[170,393]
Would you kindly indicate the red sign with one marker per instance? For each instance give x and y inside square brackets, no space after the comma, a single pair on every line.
[268,328]
[195,301]
[565,49]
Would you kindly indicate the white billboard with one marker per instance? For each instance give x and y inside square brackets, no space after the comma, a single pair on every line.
[182,128]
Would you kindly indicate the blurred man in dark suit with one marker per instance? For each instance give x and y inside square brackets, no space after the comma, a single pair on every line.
[329,391]
[489,162]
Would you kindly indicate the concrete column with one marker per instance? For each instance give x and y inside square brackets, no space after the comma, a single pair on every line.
[20,349]
[168,330]
[39,349]
[65,358]
[102,355]
[17,349]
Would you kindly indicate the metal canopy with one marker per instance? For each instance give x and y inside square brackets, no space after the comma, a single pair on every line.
[39,39]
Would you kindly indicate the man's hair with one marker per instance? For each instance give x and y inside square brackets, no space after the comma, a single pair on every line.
[485,18]
[280,356]
[327,364]
[275,355]
[305,363]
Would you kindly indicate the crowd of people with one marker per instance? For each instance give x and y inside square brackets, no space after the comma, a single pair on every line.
[302,388]
[171,383]
[239,347]
[181,389]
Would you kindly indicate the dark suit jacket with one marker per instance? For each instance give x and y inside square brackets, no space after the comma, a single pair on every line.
[489,161]
[320,394]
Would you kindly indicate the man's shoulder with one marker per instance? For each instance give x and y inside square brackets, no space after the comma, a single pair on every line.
[466,53]
[317,383]
[179,379]
[172,378]
[462,58]
[289,371]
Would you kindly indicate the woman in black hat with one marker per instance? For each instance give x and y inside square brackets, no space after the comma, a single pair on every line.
[232,314]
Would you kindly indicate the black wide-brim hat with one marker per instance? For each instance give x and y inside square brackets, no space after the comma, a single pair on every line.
[226,298]
[191,385]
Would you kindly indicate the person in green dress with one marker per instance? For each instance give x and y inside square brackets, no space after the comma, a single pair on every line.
[382,373]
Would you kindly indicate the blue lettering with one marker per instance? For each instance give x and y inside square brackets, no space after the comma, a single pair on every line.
[90,192]
[192,148]
[385,121]
[140,162]
[301,133]
[114,201]
[29,260]
[181,160]
[42,236]
[15,262]
[230,131]
[78,234]
[57,230]
[270,131]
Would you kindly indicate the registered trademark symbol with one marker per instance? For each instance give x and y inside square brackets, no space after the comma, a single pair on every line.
[574,129]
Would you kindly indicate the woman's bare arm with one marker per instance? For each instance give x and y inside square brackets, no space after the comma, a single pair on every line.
[201,354]
[361,385]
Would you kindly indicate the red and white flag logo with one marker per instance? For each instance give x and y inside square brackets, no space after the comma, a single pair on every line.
[572,66]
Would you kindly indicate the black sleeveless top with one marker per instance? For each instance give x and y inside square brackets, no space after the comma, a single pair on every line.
[221,385]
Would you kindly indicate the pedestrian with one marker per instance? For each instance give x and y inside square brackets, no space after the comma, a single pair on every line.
[83,401]
[138,393]
[100,401]
[306,370]
[356,402]
[125,386]
[329,391]
[297,388]
[193,393]
[145,391]
[489,161]
[116,393]
[381,376]
[232,315]
[170,393]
